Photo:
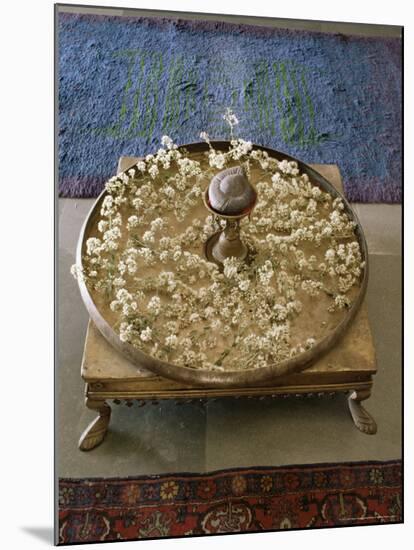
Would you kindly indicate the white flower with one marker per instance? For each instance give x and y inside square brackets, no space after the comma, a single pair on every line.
[132,265]
[122,267]
[146,254]
[188,168]
[153,171]
[311,287]
[167,142]
[123,295]
[148,237]
[133,221]
[216,323]
[171,341]
[295,306]
[244,285]
[146,334]
[244,147]
[129,309]
[168,191]
[177,254]
[310,342]
[138,203]
[340,302]
[265,273]
[194,317]
[116,220]
[125,332]
[217,160]
[107,206]
[113,185]
[225,312]
[154,305]
[156,224]
[164,256]
[231,266]
[276,178]
[280,312]
[115,305]
[208,312]
[93,246]
[230,118]
[330,255]
[103,226]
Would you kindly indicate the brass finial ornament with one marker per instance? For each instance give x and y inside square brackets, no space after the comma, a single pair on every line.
[230,196]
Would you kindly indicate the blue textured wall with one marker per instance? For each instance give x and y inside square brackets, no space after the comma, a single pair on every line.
[328,98]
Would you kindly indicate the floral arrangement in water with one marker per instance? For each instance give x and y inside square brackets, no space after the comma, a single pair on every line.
[147,263]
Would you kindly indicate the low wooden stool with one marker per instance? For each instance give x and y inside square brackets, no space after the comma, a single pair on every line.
[349,368]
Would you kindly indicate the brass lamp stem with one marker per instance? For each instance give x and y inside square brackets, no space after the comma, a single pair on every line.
[230,197]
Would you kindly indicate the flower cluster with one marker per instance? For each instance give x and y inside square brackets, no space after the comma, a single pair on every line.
[145,259]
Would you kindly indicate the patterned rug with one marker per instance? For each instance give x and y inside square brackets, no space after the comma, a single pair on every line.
[321,97]
[230,501]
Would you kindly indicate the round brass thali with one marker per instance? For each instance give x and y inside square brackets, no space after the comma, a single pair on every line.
[227,378]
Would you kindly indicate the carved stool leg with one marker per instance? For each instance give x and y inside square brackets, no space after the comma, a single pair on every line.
[362,419]
[96,431]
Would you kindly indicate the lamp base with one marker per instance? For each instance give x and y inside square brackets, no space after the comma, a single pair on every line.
[217,248]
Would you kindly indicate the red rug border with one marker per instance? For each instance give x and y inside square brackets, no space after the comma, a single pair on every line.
[250,511]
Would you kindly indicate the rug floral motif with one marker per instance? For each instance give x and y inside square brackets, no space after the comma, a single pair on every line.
[230,501]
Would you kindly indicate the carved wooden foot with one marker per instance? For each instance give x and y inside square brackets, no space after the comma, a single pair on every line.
[362,419]
[96,431]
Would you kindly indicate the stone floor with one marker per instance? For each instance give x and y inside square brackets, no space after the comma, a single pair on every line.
[231,433]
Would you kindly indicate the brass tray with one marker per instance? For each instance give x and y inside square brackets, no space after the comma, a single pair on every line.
[236,378]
